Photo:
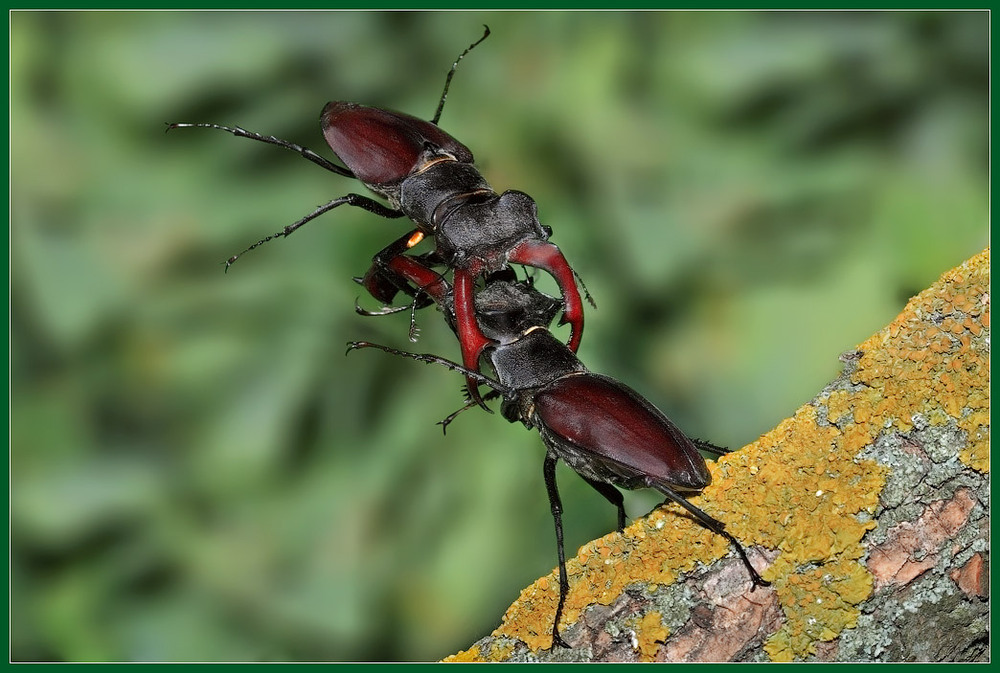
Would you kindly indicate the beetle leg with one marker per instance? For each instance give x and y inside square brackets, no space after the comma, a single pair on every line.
[470,374]
[429,284]
[385,310]
[544,255]
[350,199]
[715,526]
[428,281]
[709,447]
[614,496]
[549,471]
[444,423]
[433,284]
[271,140]
[381,280]
[471,338]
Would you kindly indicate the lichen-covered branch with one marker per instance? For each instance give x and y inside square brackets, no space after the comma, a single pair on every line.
[868,510]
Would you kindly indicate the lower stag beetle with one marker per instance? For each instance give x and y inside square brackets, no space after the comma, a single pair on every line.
[608,433]
[429,177]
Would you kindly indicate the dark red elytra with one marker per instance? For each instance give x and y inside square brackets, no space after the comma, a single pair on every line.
[382,146]
[606,418]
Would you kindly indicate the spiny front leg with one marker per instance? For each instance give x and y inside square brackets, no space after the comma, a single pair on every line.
[429,358]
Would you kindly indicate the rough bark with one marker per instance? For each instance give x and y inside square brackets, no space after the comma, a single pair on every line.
[868,510]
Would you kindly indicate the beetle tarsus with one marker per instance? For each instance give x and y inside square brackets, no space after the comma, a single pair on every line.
[709,447]
[385,310]
[446,421]
[717,527]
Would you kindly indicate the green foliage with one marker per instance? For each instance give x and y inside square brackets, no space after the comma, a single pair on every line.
[199,473]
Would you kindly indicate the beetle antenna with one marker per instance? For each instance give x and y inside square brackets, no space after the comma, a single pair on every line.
[271,140]
[451,73]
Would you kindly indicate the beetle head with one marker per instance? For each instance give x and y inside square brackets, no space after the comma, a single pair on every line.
[506,310]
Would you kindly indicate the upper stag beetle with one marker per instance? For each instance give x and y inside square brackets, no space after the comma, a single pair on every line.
[429,177]
[608,433]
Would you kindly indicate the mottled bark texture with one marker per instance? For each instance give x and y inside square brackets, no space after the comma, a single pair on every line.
[868,510]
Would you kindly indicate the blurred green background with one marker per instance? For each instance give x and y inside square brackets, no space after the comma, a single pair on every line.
[199,473]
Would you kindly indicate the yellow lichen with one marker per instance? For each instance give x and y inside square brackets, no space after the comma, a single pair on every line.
[818,604]
[913,366]
[471,654]
[649,635]
[802,488]
[951,320]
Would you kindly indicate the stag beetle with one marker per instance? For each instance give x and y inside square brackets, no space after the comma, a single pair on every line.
[608,433]
[429,177]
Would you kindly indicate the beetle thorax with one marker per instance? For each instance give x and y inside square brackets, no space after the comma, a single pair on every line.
[430,194]
[481,231]
[534,361]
